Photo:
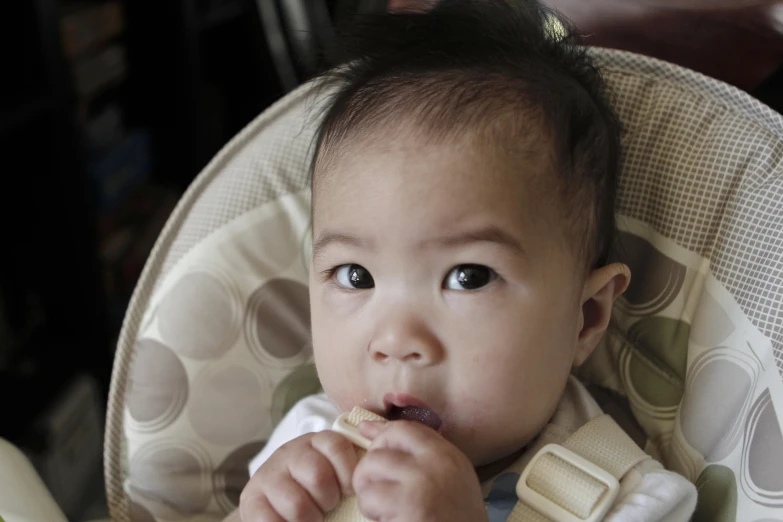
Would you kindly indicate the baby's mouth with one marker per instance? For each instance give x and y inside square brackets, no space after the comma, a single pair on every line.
[406,408]
[412,413]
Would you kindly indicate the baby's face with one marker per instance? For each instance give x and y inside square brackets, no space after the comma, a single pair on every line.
[441,280]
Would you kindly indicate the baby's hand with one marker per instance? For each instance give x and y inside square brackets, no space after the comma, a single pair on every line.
[301,481]
[412,474]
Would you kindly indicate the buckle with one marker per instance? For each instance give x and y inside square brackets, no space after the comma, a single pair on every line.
[350,432]
[554,511]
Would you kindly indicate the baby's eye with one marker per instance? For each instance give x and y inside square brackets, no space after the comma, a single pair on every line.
[354,276]
[469,277]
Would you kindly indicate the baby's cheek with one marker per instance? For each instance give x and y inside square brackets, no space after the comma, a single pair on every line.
[340,307]
[341,393]
[477,413]
[503,408]
[345,401]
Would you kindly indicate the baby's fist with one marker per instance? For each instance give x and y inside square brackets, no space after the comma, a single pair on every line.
[301,481]
[412,474]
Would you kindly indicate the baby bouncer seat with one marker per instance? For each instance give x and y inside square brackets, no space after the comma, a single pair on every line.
[215,347]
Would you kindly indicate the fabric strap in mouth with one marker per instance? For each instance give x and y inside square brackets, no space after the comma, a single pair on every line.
[348,425]
[357,415]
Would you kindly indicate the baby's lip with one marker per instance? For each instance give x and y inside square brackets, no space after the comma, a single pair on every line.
[402,400]
[399,406]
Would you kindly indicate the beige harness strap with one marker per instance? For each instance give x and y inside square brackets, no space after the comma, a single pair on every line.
[604,443]
[578,481]
[575,482]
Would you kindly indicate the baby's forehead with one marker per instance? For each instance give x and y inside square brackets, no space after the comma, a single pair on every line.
[529,153]
[466,176]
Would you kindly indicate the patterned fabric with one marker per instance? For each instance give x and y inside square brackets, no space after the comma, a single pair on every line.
[215,345]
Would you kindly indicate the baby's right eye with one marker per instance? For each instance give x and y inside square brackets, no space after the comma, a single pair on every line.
[353,276]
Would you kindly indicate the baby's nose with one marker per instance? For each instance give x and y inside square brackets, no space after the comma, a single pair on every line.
[404,353]
[408,342]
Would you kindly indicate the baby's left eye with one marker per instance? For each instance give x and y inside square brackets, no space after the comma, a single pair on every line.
[469,277]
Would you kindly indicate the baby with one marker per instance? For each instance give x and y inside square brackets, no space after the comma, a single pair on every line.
[463,209]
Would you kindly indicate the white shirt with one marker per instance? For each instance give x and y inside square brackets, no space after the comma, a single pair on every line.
[648,493]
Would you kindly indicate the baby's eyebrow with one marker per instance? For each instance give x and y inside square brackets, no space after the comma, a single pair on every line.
[328,238]
[488,234]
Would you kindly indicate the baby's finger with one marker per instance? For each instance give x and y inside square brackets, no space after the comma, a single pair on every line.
[384,465]
[341,453]
[258,509]
[293,503]
[380,500]
[315,474]
[407,436]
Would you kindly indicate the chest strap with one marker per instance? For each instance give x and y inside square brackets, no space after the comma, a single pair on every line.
[579,480]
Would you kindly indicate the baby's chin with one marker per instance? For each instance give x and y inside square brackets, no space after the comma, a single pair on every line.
[490,465]
[488,456]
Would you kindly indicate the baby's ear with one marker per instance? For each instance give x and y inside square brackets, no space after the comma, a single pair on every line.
[601,288]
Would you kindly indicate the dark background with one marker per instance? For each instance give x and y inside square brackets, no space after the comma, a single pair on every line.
[110,108]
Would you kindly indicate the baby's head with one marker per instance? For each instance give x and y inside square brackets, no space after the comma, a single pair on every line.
[463,208]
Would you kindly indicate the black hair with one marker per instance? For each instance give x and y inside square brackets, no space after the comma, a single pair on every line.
[468,65]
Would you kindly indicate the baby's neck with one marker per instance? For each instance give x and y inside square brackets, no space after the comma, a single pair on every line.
[492,469]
